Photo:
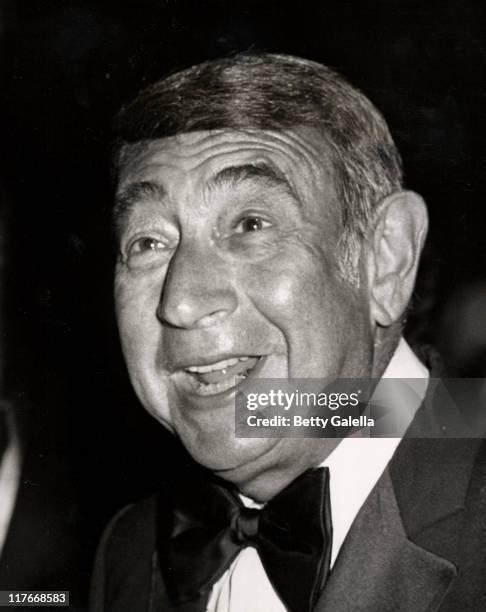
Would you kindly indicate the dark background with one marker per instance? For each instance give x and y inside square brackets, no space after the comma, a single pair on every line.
[66,66]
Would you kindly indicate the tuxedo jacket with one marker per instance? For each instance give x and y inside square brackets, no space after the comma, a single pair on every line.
[418,543]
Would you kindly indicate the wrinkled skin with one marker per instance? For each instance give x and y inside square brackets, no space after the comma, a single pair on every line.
[243,262]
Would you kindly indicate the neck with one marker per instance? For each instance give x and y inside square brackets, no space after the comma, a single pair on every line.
[263,485]
[385,345]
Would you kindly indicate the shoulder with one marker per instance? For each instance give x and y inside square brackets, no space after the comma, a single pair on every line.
[132,527]
[125,555]
[131,534]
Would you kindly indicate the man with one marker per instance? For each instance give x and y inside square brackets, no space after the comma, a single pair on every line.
[264,233]
[9,441]
[39,547]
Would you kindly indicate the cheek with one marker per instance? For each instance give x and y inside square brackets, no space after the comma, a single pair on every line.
[294,287]
[136,304]
[301,296]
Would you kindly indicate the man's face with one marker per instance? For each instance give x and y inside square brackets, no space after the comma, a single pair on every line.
[228,266]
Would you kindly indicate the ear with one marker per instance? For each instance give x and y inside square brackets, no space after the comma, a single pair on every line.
[394,246]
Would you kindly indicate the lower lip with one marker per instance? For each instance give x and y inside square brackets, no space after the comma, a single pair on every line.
[211,393]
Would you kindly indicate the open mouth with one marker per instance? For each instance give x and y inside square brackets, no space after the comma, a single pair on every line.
[219,376]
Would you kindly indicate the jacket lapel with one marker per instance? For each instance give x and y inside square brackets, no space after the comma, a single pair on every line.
[431,475]
[402,550]
[159,600]
[188,480]
[378,568]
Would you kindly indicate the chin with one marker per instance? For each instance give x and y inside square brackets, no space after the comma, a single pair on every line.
[228,457]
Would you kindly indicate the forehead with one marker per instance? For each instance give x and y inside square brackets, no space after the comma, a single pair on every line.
[301,156]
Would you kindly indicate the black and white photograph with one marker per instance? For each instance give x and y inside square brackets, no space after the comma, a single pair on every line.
[243,306]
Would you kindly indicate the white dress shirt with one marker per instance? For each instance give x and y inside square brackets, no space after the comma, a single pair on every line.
[355,466]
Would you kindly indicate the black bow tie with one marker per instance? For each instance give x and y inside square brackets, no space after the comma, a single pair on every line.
[209,526]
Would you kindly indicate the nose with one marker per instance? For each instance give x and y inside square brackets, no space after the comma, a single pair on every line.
[197,291]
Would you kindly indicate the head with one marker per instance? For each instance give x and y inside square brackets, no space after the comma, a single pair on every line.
[263,231]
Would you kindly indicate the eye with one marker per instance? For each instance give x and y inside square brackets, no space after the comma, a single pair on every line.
[146,252]
[144,245]
[251,223]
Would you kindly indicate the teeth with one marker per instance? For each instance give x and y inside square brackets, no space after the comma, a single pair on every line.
[220,365]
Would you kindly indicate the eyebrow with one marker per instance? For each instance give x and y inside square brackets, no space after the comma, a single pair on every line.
[133,194]
[235,175]
[141,191]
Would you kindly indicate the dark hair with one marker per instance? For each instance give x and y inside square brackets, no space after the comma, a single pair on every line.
[276,92]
